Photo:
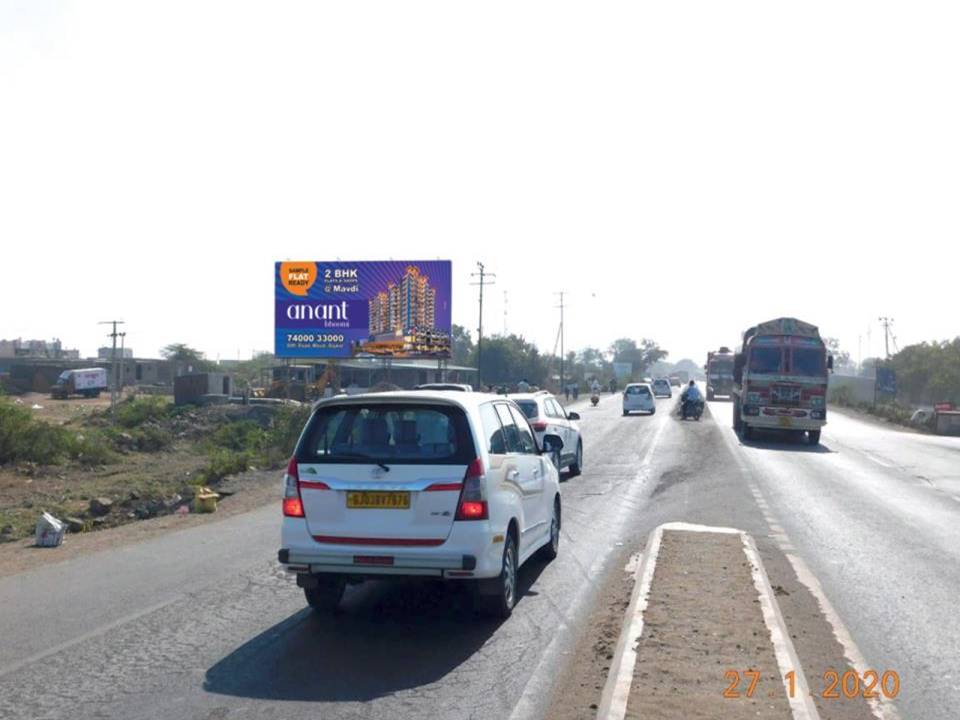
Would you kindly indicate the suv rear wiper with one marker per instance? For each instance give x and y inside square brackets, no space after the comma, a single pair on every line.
[361,456]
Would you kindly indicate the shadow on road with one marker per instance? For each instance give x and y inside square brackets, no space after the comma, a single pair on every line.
[388,636]
[777,441]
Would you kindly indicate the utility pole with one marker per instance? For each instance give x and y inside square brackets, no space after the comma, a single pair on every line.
[561,339]
[123,337]
[886,322]
[485,278]
[113,360]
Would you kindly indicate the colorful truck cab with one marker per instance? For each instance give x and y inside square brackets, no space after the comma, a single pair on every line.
[780,379]
[719,370]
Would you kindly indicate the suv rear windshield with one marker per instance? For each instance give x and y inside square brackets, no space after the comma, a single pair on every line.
[638,390]
[529,408]
[391,433]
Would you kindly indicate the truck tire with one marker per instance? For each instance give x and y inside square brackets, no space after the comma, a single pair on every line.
[747,431]
[814,436]
[710,395]
[737,422]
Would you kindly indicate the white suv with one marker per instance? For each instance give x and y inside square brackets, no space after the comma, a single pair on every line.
[439,484]
[548,417]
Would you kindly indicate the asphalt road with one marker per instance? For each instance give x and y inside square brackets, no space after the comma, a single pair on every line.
[202,624]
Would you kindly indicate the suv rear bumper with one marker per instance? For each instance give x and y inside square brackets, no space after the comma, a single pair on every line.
[468,552]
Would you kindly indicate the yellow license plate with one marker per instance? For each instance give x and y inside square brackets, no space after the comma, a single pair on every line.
[378,500]
[786,421]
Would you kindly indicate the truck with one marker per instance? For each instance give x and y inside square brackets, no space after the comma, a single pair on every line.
[719,371]
[780,379]
[88,382]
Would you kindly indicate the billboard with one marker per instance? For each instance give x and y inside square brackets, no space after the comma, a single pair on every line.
[389,309]
[886,381]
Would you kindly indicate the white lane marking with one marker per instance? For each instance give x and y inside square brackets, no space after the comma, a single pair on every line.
[616,691]
[801,701]
[882,708]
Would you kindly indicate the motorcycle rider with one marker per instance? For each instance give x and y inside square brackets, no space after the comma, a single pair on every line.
[690,397]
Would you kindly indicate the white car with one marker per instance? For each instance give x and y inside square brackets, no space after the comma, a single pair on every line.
[435,484]
[638,397]
[661,388]
[548,417]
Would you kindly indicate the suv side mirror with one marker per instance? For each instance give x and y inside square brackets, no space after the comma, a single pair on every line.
[572,416]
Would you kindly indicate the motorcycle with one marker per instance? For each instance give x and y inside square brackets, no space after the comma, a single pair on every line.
[594,399]
[691,408]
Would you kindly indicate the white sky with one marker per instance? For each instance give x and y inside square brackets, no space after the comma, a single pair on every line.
[682,170]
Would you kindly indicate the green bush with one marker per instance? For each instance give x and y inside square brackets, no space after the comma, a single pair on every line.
[223,463]
[283,433]
[139,410]
[242,435]
[91,448]
[152,438]
[23,438]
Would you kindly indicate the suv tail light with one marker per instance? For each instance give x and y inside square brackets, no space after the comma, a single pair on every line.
[292,504]
[538,426]
[473,503]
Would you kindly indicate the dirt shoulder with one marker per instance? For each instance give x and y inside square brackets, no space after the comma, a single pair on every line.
[874,420]
[702,622]
[248,491]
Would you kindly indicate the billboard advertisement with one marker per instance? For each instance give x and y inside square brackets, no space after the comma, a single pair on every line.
[388,309]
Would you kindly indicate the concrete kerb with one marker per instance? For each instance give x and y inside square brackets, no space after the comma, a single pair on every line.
[616,692]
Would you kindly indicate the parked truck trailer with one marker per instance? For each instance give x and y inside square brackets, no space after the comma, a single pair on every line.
[88,382]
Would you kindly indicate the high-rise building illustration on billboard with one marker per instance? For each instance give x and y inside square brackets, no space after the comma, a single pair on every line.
[403,319]
[373,309]
[403,306]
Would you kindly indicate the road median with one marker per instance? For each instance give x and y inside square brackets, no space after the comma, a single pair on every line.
[703,636]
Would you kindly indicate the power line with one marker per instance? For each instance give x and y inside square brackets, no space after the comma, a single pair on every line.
[486,278]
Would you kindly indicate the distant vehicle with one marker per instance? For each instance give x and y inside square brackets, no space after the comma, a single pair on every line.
[448,486]
[780,379]
[661,388]
[445,386]
[683,375]
[719,369]
[548,417]
[638,397]
[89,382]
[675,381]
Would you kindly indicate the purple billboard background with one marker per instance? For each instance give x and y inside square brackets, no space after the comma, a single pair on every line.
[338,305]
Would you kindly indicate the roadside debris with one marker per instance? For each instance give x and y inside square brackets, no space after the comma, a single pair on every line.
[101,506]
[205,501]
[49,531]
